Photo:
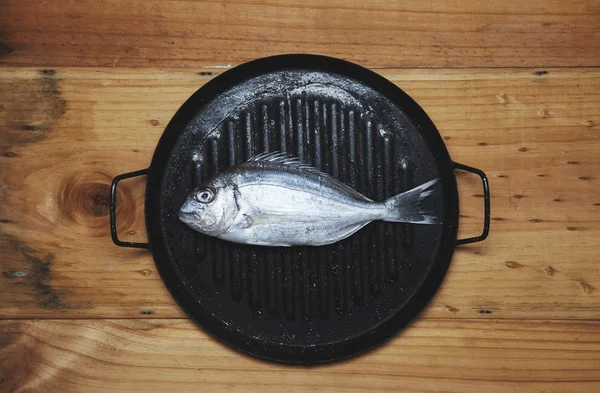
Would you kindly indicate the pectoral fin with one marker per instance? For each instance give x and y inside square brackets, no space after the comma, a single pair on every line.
[246,221]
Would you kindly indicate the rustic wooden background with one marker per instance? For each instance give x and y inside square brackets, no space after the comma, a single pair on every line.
[87,87]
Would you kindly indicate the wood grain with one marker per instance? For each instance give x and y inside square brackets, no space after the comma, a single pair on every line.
[174,355]
[157,33]
[65,133]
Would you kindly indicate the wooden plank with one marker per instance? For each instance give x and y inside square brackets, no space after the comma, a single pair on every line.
[151,33]
[65,133]
[173,355]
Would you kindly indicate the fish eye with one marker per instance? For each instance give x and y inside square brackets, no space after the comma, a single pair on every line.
[205,196]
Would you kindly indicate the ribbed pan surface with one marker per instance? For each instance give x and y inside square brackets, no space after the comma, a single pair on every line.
[302,297]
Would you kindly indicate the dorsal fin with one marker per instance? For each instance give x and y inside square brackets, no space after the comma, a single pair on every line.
[277,157]
[286,159]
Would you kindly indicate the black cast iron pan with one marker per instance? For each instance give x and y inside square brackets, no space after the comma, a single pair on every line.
[303,304]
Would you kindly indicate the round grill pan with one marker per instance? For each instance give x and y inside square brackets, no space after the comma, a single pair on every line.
[303,304]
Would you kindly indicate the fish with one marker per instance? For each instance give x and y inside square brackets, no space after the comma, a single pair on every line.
[275,199]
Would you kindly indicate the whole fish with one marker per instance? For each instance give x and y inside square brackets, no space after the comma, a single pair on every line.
[274,199]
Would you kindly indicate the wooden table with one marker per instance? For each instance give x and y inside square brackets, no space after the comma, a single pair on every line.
[87,88]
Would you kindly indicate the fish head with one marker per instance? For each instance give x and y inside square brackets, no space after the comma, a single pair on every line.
[210,208]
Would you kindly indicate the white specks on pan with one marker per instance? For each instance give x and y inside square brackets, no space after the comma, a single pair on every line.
[336,93]
[198,157]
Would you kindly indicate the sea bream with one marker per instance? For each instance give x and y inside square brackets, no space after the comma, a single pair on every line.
[274,199]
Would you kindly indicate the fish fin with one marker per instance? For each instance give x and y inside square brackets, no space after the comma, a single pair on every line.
[295,163]
[247,221]
[347,232]
[406,207]
[282,158]
[276,156]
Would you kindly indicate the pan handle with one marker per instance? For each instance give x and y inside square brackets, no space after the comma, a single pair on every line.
[113,209]
[486,204]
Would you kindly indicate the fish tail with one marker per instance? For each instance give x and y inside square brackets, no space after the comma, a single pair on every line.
[406,207]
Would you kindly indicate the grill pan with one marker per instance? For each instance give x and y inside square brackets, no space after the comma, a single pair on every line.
[303,304]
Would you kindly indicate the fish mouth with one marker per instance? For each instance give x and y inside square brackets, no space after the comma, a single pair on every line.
[186,217]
